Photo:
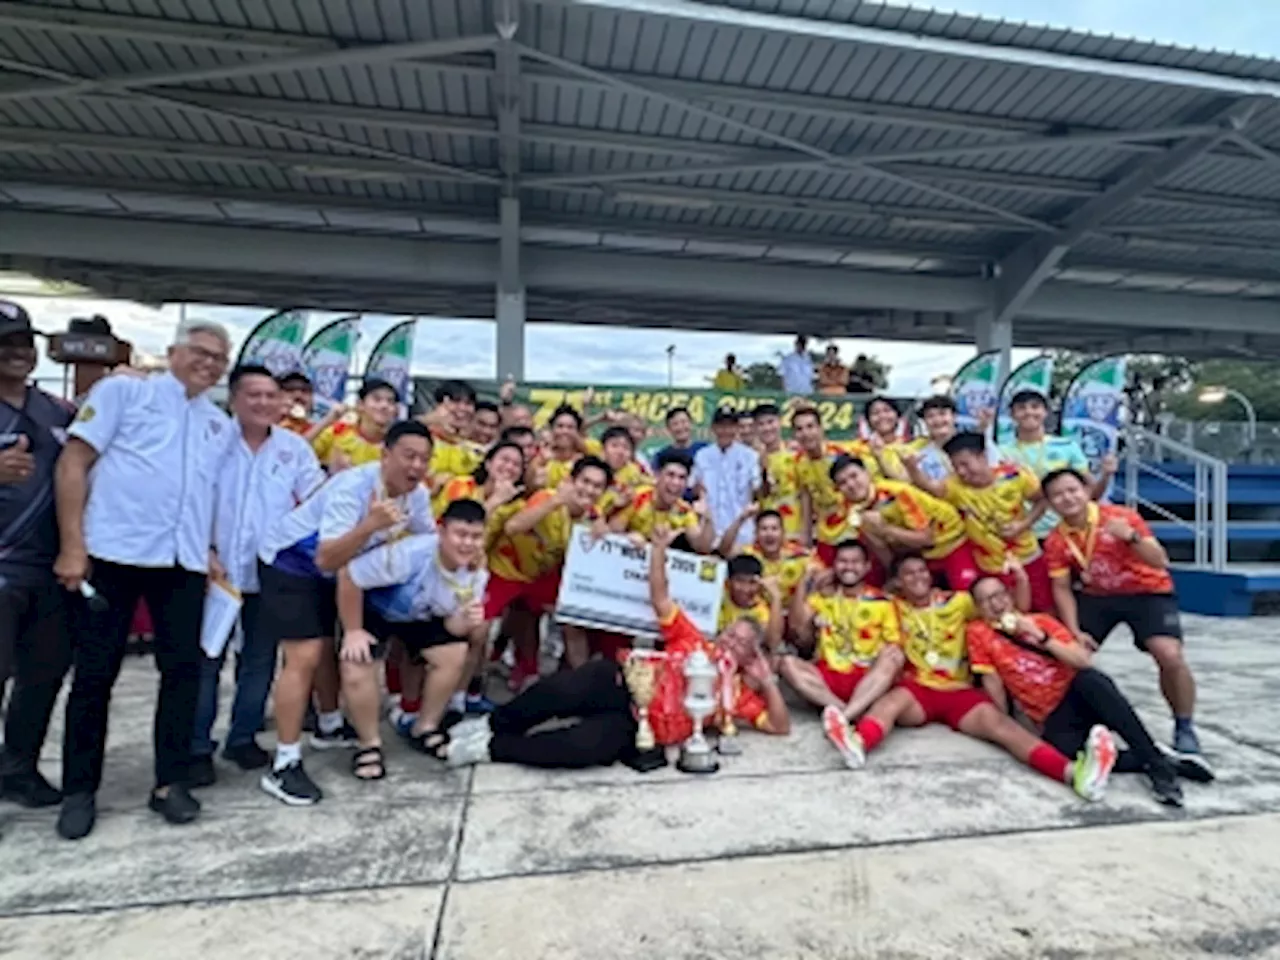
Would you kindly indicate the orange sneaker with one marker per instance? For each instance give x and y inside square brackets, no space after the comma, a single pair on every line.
[844,738]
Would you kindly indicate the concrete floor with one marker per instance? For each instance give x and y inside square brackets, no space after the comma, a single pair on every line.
[942,848]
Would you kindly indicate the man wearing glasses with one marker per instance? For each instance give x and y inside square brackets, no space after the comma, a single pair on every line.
[135,496]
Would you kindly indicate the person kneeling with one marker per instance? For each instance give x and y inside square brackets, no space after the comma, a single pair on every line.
[597,697]
[1047,671]
[424,590]
[937,688]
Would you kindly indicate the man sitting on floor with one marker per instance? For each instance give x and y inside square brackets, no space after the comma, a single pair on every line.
[937,688]
[595,695]
[1048,673]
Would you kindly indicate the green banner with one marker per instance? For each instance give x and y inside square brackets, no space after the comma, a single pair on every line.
[840,415]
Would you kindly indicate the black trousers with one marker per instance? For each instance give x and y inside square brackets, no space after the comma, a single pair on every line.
[33,639]
[1092,698]
[595,695]
[175,598]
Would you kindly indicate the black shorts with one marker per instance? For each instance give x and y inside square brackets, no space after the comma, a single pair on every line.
[296,608]
[416,636]
[1146,614]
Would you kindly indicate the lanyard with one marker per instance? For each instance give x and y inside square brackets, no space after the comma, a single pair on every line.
[1090,540]
[926,630]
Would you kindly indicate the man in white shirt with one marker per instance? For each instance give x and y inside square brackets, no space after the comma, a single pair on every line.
[268,470]
[427,591]
[729,473]
[135,490]
[797,369]
[356,510]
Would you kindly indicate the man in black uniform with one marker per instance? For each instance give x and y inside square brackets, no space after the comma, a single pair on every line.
[34,644]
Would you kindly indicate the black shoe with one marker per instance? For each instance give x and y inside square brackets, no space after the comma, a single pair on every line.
[342,738]
[177,806]
[79,813]
[29,790]
[1189,766]
[247,756]
[291,785]
[310,723]
[1164,785]
[200,773]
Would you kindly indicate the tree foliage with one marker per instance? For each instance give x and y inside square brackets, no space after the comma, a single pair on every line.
[762,376]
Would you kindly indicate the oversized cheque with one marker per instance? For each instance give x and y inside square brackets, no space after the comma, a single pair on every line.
[605,586]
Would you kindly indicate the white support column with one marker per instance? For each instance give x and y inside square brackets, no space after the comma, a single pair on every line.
[991,333]
[509,310]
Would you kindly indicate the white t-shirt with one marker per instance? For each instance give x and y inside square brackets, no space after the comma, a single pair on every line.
[405,581]
[151,491]
[255,489]
[334,510]
[797,373]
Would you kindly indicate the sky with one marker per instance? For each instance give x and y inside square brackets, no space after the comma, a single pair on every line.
[602,355]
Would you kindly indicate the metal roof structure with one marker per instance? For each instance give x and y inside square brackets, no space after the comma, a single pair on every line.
[828,166]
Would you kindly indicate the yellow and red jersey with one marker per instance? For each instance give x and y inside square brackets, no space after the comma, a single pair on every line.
[347,440]
[986,509]
[830,508]
[1037,681]
[910,508]
[298,425]
[933,639]
[788,568]
[731,612]
[458,488]
[892,454]
[626,481]
[643,514]
[527,556]
[852,630]
[1107,566]
[783,485]
[558,470]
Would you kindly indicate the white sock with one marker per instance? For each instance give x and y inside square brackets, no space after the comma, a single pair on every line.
[458,702]
[330,722]
[287,754]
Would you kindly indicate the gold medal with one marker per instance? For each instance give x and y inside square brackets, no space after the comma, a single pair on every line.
[298,412]
[932,658]
[855,519]
[1009,622]
[351,418]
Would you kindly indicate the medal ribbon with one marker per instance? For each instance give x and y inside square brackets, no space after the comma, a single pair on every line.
[1090,539]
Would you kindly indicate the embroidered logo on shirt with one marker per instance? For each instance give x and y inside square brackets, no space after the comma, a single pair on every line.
[86,414]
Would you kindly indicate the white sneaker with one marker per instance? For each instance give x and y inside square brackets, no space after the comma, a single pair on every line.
[471,728]
[466,751]
[1094,764]
[838,731]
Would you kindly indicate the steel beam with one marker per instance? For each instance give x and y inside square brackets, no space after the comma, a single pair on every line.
[91,23]
[1019,274]
[324,59]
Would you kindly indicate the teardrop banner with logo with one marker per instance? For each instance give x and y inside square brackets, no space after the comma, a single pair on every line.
[1036,374]
[391,356]
[327,358]
[1093,407]
[975,388]
[276,342]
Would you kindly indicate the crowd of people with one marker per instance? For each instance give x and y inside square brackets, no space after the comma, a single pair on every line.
[387,565]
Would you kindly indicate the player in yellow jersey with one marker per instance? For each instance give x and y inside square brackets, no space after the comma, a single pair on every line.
[664,503]
[993,500]
[347,444]
[495,483]
[780,484]
[854,632]
[784,560]
[937,687]
[453,455]
[823,523]
[893,518]
[748,593]
[567,444]
[619,452]
[887,440]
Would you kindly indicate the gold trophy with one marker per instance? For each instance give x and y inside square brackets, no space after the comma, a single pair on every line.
[640,672]
[729,745]
[298,412]
[1009,622]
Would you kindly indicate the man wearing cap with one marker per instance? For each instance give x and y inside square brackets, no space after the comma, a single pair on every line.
[299,403]
[135,495]
[34,644]
[357,438]
[730,474]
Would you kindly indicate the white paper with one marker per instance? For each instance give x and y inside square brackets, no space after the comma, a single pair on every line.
[222,604]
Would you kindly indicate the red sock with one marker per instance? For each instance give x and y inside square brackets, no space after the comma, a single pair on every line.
[410,706]
[871,732]
[393,677]
[1044,759]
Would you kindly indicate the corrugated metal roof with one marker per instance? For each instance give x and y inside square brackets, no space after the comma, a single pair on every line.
[826,132]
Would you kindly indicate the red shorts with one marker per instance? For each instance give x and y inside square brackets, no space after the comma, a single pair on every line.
[877,575]
[959,567]
[945,706]
[839,683]
[1041,591]
[539,595]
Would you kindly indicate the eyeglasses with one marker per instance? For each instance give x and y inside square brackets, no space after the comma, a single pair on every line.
[208,356]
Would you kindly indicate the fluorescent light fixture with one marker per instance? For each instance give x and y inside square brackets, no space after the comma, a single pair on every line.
[348,173]
[663,200]
[1213,394]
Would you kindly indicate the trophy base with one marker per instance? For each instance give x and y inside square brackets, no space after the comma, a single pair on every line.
[729,747]
[646,761]
[697,763]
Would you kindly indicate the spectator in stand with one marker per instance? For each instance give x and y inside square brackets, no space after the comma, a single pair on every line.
[680,427]
[729,379]
[796,369]
[833,376]
[862,377]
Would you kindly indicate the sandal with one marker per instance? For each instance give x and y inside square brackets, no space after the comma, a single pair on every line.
[434,743]
[368,764]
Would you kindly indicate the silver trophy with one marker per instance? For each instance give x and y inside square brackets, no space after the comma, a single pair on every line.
[700,674]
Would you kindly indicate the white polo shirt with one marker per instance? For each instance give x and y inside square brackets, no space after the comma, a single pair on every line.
[255,489]
[405,580]
[151,490]
[731,477]
[334,510]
